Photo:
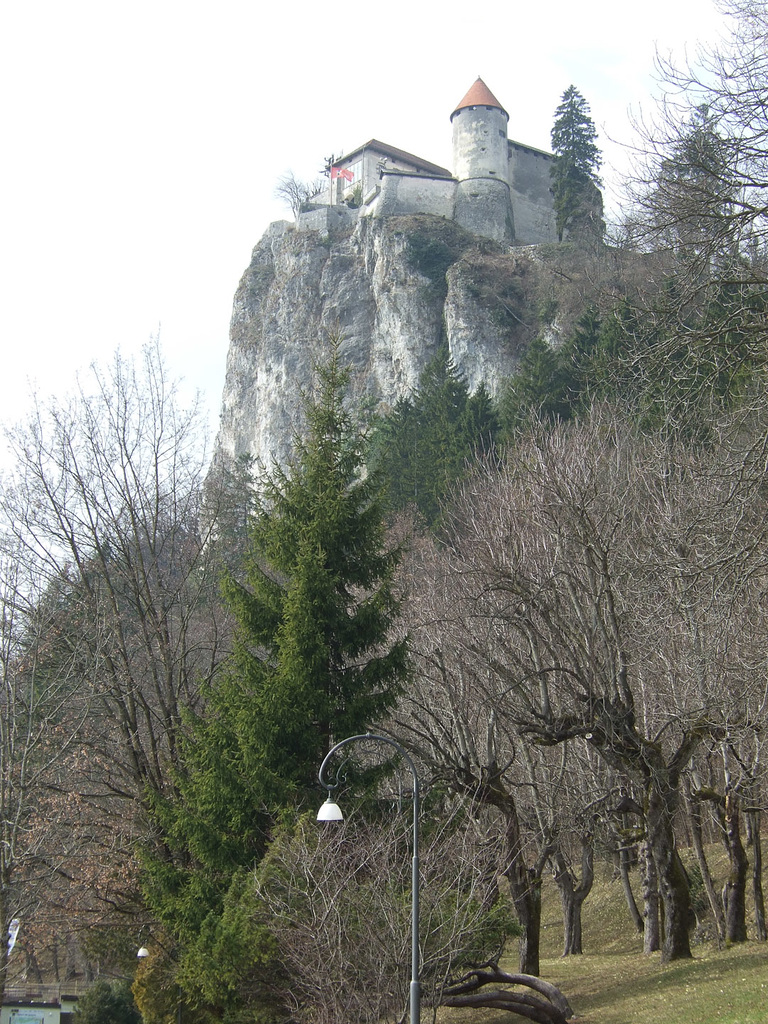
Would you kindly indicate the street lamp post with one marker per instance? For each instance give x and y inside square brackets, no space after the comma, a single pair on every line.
[330,811]
[142,954]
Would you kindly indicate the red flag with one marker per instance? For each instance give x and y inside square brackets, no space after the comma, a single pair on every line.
[342,172]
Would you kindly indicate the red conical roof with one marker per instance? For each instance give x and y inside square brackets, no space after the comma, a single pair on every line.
[479,96]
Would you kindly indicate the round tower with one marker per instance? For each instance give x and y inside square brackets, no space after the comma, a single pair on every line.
[481,165]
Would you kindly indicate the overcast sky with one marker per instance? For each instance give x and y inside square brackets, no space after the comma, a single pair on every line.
[142,143]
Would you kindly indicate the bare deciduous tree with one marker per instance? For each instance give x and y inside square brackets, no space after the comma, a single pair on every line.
[700,199]
[295,192]
[42,706]
[336,897]
[454,718]
[618,583]
[105,508]
[107,501]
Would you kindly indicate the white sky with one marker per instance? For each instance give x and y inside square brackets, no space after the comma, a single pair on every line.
[142,142]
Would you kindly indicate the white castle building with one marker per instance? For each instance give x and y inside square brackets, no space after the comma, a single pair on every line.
[499,188]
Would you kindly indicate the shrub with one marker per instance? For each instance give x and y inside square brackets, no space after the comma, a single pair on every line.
[107,1003]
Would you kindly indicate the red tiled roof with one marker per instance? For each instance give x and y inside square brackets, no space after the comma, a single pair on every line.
[479,96]
[396,154]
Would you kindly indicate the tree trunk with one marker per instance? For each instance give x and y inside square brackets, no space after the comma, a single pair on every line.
[5,922]
[672,880]
[715,904]
[734,893]
[757,876]
[573,894]
[629,896]
[651,930]
[529,915]
[525,885]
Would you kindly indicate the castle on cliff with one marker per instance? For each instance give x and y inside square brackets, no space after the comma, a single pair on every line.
[498,189]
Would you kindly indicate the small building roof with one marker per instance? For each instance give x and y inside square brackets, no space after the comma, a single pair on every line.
[479,95]
[395,154]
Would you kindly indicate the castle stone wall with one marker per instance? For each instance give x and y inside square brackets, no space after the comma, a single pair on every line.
[403,194]
[326,218]
[529,182]
[483,207]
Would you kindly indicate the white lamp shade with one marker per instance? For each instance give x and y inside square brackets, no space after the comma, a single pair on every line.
[330,811]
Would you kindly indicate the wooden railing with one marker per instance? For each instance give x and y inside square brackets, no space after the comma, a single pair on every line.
[32,993]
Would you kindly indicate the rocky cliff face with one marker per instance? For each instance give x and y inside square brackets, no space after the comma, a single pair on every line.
[394,288]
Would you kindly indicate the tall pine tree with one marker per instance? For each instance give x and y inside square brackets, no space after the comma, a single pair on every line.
[317,602]
[313,660]
[575,183]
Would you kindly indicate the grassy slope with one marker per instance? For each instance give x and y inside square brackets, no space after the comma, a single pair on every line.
[615,983]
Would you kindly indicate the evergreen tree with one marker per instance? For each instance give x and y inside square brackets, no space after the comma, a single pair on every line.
[395,450]
[426,443]
[541,388]
[107,1003]
[317,602]
[312,661]
[692,197]
[482,419]
[444,445]
[575,183]
[556,384]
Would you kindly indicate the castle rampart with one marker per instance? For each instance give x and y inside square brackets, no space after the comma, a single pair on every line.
[415,193]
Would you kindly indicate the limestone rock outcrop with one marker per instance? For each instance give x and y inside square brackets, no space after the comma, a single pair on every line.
[394,289]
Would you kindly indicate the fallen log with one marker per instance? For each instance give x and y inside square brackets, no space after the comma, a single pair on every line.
[548,1006]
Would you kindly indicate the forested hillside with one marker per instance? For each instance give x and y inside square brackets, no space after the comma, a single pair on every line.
[555,600]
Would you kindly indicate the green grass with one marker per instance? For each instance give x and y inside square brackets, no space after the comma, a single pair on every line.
[727,987]
[613,982]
